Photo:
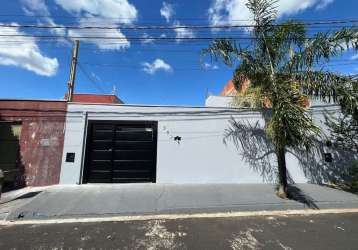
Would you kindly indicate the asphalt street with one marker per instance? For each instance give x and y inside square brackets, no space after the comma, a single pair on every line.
[325,231]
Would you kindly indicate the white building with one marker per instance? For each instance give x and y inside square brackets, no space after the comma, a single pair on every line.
[170,144]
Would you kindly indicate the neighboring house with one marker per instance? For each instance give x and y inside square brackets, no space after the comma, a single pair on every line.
[31,141]
[229,89]
[225,98]
[31,138]
[229,92]
[94,98]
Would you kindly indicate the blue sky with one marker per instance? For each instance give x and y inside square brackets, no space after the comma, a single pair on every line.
[143,72]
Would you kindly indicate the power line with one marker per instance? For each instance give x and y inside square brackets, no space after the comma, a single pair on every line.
[90,78]
[150,18]
[159,27]
[123,37]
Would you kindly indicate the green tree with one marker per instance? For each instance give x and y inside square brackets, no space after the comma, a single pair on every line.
[281,64]
[344,128]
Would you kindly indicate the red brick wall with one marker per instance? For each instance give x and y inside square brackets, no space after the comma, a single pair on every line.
[41,140]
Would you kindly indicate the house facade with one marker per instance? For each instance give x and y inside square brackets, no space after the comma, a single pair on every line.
[101,140]
[166,144]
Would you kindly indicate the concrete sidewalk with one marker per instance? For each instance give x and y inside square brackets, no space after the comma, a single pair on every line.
[140,199]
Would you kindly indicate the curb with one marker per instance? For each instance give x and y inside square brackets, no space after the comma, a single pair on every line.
[305,212]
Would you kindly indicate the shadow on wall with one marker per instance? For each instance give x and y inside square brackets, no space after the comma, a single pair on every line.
[258,151]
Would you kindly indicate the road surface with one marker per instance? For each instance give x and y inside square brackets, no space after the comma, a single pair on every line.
[324,231]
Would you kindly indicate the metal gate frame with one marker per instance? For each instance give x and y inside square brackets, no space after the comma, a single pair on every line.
[89,126]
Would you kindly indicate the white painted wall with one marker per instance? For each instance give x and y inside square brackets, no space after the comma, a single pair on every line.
[218,101]
[201,156]
[215,101]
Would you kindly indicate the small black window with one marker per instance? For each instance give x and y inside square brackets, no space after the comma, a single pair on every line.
[70,157]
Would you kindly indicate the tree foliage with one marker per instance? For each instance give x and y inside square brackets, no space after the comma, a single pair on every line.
[284,66]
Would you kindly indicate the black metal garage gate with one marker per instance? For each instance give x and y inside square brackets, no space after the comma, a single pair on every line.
[121,152]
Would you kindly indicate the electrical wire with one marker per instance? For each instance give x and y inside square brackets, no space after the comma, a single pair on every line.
[169,27]
[90,78]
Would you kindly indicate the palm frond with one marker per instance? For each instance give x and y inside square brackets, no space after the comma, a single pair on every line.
[222,49]
[329,87]
[264,14]
[324,46]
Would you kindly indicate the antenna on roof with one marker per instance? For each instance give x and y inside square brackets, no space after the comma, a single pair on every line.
[114,90]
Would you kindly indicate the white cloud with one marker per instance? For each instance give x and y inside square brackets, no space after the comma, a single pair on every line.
[323,4]
[121,10]
[101,13]
[182,32]
[25,53]
[231,11]
[147,39]
[110,39]
[39,8]
[35,6]
[167,11]
[210,66]
[156,65]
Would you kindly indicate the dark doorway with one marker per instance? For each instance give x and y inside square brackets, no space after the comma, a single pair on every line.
[121,152]
[10,153]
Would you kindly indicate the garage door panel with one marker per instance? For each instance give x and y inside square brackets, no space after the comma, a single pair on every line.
[103,135]
[99,180]
[133,165]
[133,155]
[132,180]
[132,173]
[102,144]
[101,154]
[134,145]
[134,136]
[98,127]
[102,175]
[101,165]
[121,151]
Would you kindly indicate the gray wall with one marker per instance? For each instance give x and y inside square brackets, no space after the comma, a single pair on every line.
[201,156]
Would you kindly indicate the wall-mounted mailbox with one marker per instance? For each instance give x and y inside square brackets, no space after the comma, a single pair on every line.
[328,157]
[70,157]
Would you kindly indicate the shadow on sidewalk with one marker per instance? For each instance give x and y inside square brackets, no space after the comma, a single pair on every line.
[296,194]
[21,197]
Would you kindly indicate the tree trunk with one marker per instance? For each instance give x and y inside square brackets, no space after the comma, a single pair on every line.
[282,172]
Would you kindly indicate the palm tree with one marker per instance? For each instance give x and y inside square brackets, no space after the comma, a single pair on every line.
[284,67]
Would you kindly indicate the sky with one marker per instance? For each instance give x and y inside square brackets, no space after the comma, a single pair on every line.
[34,63]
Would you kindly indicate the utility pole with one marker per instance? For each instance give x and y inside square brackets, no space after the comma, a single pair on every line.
[71,82]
